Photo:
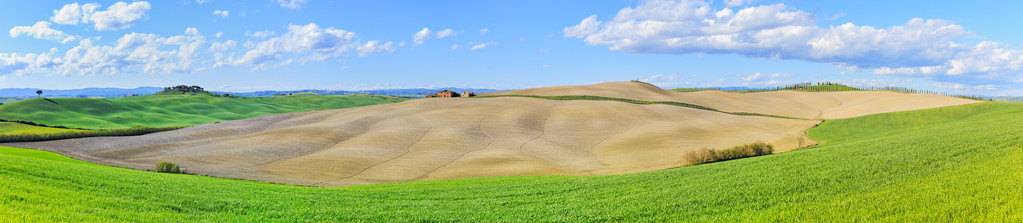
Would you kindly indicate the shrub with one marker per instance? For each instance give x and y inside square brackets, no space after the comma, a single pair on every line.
[704,155]
[89,133]
[168,167]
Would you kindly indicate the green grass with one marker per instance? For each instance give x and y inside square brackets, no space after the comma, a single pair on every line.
[952,164]
[690,89]
[825,88]
[169,110]
[11,128]
[601,98]
[47,133]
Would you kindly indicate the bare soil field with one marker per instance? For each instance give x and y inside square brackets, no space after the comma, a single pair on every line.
[441,138]
[809,105]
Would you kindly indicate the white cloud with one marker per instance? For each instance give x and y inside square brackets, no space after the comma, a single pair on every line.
[223,46]
[660,77]
[220,34]
[445,33]
[775,31]
[455,47]
[760,79]
[20,64]
[120,15]
[155,53]
[667,80]
[224,13]
[986,87]
[306,43]
[481,46]
[753,77]
[262,34]
[421,36]
[587,27]
[733,3]
[950,85]
[291,4]
[147,52]
[73,14]
[374,46]
[42,30]
[202,1]
[484,31]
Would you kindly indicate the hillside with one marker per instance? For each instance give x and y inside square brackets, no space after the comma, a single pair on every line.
[444,138]
[919,168]
[440,139]
[800,104]
[169,110]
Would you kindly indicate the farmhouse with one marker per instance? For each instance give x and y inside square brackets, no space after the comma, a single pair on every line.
[451,94]
[448,94]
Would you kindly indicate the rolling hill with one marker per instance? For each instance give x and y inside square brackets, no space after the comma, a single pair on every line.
[169,110]
[445,138]
[949,164]
[809,105]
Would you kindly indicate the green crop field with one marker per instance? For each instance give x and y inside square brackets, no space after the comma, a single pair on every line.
[952,164]
[170,110]
[11,128]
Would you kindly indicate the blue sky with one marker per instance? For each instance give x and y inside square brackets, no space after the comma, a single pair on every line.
[953,46]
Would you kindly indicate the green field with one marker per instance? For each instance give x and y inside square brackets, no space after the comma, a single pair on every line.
[11,128]
[18,132]
[961,163]
[170,110]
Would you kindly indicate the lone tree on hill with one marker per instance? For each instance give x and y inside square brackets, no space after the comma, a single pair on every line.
[39,93]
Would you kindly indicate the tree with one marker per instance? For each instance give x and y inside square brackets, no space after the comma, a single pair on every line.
[39,92]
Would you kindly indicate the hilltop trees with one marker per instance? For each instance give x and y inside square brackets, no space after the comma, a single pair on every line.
[181,89]
[190,90]
[39,93]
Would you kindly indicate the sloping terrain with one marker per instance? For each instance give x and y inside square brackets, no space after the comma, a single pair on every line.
[809,105]
[952,164]
[439,139]
[169,110]
[445,138]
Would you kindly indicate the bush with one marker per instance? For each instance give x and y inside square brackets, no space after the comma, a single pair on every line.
[138,130]
[168,167]
[704,155]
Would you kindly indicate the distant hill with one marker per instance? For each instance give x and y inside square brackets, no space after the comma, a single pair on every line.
[1008,99]
[413,93]
[102,92]
[117,92]
[169,110]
